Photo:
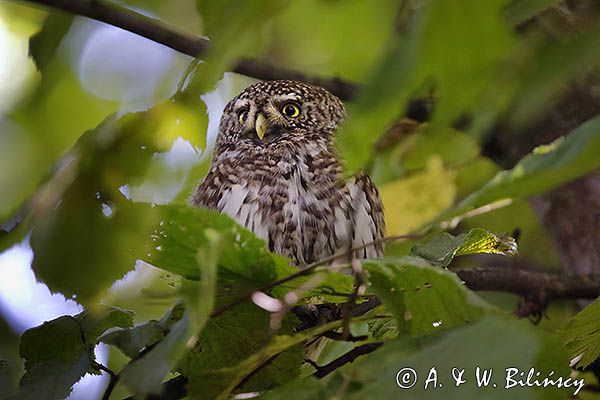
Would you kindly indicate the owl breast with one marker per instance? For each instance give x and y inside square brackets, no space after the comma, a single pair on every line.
[301,212]
[299,205]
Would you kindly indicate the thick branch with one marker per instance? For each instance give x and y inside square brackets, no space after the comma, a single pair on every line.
[539,287]
[528,283]
[256,69]
[131,21]
[185,43]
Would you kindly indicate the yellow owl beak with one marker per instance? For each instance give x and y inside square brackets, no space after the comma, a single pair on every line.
[261,126]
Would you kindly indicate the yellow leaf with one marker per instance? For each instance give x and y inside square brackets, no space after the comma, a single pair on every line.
[417,199]
[179,120]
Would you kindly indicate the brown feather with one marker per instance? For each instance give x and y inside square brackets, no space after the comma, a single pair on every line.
[288,187]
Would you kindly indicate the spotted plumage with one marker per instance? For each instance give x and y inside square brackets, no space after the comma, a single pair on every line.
[275,171]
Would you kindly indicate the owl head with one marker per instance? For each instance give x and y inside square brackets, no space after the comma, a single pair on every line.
[272,112]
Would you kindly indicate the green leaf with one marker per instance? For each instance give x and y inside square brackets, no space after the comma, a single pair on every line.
[199,297]
[582,335]
[452,146]
[442,248]
[282,359]
[144,375]
[96,320]
[85,231]
[321,52]
[244,262]
[48,123]
[181,234]
[60,339]
[43,45]
[423,298]
[133,340]
[15,235]
[419,60]
[542,81]
[59,352]
[19,177]
[327,286]
[240,36]
[51,380]
[230,338]
[495,343]
[384,328]
[473,175]
[544,169]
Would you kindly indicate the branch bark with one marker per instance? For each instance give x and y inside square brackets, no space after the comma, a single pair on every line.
[571,212]
[173,389]
[132,21]
[539,286]
[185,43]
[535,286]
[528,283]
[347,358]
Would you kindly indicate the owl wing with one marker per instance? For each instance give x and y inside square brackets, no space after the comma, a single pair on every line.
[367,222]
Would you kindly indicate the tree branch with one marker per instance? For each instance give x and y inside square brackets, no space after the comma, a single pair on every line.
[347,358]
[529,283]
[173,389]
[307,270]
[343,89]
[131,21]
[538,288]
[114,378]
[185,43]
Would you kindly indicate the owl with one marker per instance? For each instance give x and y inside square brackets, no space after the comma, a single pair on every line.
[275,171]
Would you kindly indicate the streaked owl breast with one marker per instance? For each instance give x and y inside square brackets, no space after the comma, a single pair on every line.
[287,187]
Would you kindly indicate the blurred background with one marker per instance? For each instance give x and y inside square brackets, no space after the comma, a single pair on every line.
[497,78]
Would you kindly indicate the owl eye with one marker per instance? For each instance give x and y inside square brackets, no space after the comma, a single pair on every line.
[290,110]
[242,117]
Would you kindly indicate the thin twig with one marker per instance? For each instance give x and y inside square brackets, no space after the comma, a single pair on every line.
[340,337]
[350,304]
[173,389]
[347,358]
[114,378]
[365,307]
[306,271]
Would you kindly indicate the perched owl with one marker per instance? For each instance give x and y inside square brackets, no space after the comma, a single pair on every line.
[276,172]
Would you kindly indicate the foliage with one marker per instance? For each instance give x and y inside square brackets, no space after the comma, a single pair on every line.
[90,170]
[58,353]
[582,335]
[469,346]
[545,168]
